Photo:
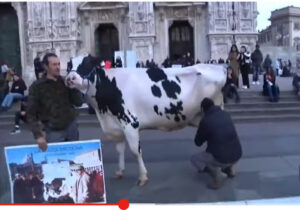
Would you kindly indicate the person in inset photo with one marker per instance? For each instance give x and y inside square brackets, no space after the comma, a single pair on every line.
[82,185]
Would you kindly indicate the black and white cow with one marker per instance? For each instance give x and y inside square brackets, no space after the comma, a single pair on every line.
[132,99]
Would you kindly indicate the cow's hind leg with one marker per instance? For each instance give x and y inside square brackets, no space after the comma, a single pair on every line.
[132,137]
[120,147]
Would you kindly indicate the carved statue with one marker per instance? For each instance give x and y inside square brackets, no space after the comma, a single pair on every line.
[37,14]
[62,13]
[140,11]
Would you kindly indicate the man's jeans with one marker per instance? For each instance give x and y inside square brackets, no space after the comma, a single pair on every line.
[273,92]
[71,133]
[256,71]
[204,159]
[9,98]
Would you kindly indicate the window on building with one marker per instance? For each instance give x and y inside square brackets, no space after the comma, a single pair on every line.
[297,26]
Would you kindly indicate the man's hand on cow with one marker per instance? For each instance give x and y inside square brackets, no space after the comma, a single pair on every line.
[42,143]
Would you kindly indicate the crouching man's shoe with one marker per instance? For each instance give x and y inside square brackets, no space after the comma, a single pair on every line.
[218,181]
[229,171]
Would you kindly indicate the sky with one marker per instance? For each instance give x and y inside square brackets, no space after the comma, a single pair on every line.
[265,7]
[67,152]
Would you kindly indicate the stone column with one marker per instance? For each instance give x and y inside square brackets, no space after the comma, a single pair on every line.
[142,29]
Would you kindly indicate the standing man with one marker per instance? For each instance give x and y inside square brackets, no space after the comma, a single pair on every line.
[38,69]
[69,65]
[50,112]
[223,145]
[257,59]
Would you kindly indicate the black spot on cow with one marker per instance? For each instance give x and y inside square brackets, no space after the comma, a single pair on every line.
[135,123]
[156,109]
[109,98]
[175,110]
[156,91]
[156,74]
[178,79]
[160,114]
[177,119]
[171,88]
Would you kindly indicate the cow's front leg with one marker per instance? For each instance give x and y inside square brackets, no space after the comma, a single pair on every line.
[132,137]
[120,147]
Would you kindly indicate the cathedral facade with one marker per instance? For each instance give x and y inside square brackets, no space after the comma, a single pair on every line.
[154,30]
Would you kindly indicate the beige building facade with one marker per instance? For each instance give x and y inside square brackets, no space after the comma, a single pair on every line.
[154,30]
[284,30]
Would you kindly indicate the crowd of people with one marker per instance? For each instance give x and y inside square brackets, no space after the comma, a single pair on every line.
[243,62]
[12,87]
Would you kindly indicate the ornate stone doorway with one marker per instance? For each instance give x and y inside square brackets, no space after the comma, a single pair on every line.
[9,37]
[106,41]
[181,39]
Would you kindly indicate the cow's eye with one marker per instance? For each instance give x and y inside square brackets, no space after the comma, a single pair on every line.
[73,78]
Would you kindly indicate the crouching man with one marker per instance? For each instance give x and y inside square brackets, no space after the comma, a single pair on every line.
[223,145]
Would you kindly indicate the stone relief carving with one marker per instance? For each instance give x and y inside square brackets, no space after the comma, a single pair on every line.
[211,17]
[151,23]
[103,5]
[141,18]
[220,50]
[38,14]
[246,25]
[142,52]
[220,10]
[180,12]
[141,27]
[140,11]
[29,28]
[221,24]
[245,9]
[198,12]
[62,15]
[105,15]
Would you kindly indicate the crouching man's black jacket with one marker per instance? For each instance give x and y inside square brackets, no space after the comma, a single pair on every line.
[218,130]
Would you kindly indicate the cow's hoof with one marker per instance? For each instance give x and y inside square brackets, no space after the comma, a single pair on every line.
[142,183]
[118,175]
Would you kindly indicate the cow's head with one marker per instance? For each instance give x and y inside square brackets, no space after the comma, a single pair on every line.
[82,68]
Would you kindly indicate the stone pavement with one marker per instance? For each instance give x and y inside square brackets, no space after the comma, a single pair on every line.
[269,167]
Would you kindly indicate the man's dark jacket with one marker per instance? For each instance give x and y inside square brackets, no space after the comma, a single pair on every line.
[257,57]
[18,87]
[218,130]
[51,102]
